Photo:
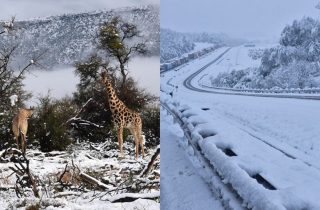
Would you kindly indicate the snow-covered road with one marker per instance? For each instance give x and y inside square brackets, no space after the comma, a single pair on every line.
[276,138]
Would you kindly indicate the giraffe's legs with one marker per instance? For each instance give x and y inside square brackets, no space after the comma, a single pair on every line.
[141,140]
[17,141]
[136,141]
[120,140]
[23,143]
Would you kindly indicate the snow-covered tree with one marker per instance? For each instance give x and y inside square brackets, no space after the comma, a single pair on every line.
[173,44]
[295,63]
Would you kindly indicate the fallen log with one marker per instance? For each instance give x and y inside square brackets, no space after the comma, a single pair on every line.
[91,180]
[65,194]
[7,187]
[148,167]
[10,151]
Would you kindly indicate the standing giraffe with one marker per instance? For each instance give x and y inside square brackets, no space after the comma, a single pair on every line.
[123,117]
[20,127]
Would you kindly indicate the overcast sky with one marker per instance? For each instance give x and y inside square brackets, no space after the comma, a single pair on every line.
[25,9]
[238,18]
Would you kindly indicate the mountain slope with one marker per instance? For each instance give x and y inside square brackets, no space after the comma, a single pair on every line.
[70,37]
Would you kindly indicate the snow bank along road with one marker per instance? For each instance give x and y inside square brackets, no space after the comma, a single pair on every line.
[179,178]
[264,149]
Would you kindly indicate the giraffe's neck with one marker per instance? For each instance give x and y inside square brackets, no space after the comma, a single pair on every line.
[114,101]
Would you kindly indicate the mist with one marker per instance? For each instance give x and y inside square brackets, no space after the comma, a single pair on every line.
[62,81]
[248,19]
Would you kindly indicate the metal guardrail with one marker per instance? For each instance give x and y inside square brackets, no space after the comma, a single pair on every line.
[228,190]
[266,91]
[223,191]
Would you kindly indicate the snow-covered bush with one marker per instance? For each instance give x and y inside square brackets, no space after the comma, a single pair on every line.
[230,80]
[255,54]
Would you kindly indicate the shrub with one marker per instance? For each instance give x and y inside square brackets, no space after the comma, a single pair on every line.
[48,126]
[151,125]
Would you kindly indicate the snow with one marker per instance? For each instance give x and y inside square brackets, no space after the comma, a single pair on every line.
[13,99]
[47,166]
[179,178]
[276,138]
[236,59]
[198,46]
[63,204]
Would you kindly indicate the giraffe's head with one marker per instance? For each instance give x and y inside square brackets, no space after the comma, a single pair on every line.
[104,77]
[28,112]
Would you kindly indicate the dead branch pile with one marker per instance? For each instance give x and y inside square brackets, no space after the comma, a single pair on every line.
[24,177]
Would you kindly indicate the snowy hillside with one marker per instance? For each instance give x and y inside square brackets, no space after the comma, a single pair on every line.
[173,44]
[70,37]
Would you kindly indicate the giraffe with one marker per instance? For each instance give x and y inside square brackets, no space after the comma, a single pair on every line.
[20,127]
[123,117]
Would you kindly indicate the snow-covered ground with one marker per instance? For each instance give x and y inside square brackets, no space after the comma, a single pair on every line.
[273,137]
[236,59]
[179,178]
[103,165]
[200,46]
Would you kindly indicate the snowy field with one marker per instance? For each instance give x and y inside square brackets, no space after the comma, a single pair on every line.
[275,138]
[62,80]
[116,176]
[237,58]
[199,46]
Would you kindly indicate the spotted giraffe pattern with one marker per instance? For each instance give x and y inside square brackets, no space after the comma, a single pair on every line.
[123,117]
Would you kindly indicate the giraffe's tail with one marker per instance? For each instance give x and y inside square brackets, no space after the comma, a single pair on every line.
[143,137]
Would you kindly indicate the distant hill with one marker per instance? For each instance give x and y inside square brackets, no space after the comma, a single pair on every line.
[174,44]
[70,37]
